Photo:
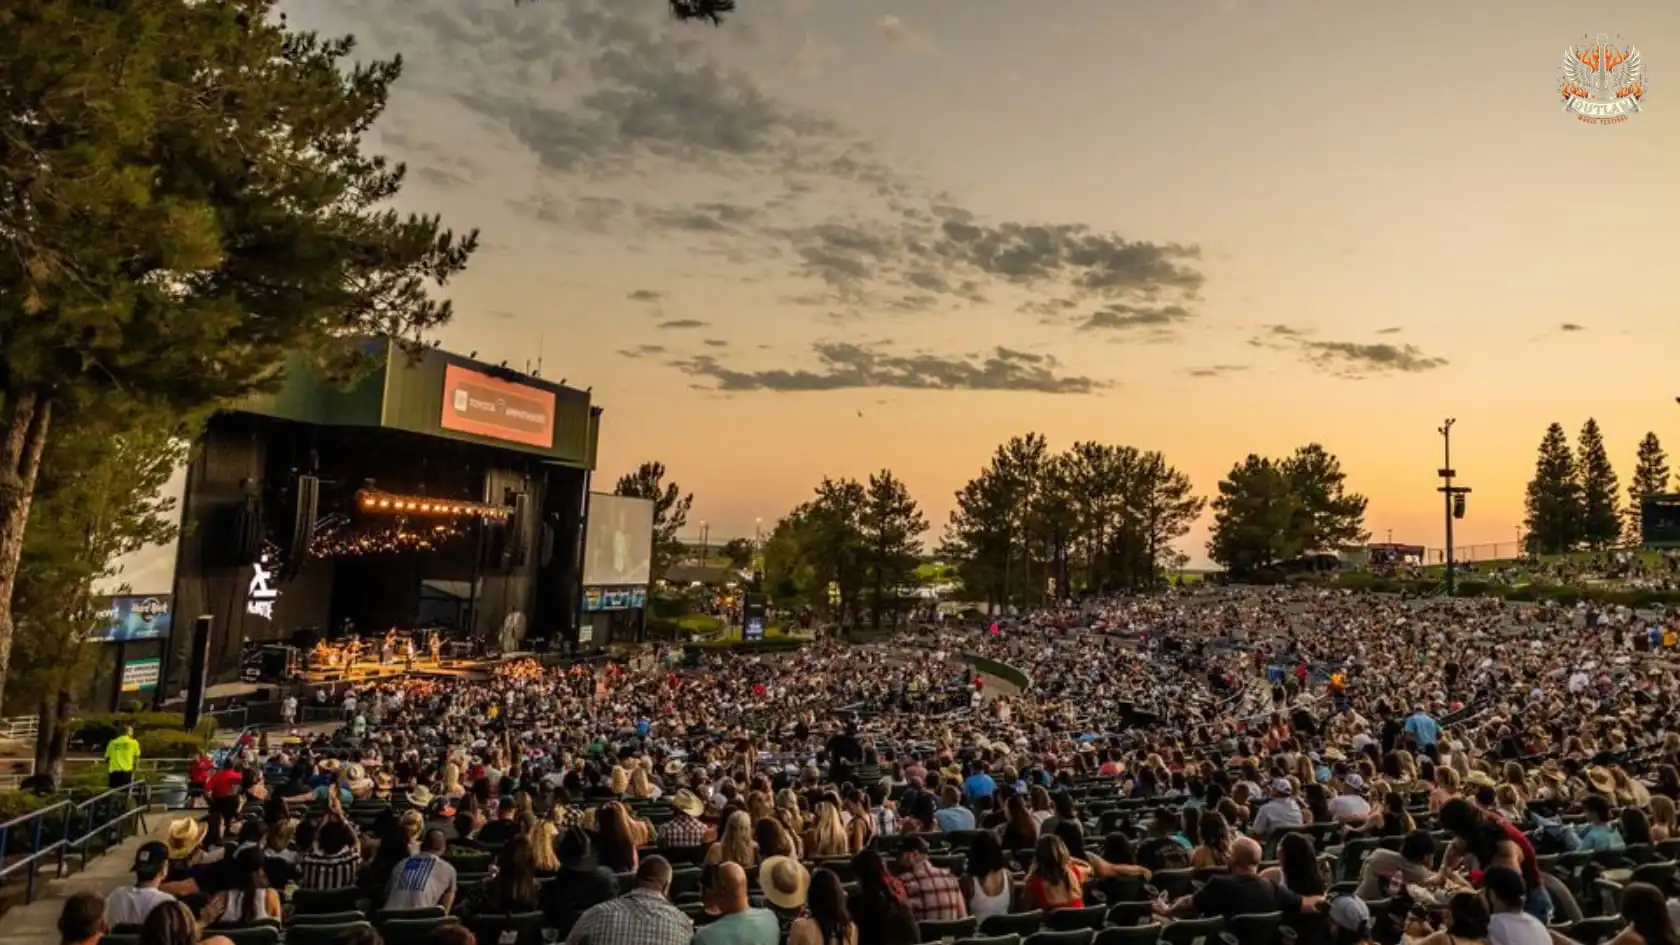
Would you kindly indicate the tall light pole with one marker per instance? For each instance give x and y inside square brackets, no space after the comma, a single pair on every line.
[758,532]
[705,540]
[1451,495]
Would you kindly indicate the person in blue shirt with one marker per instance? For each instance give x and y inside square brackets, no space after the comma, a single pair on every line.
[1423,729]
[979,783]
[951,815]
[1597,834]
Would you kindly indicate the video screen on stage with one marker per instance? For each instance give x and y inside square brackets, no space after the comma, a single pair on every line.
[618,541]
[148,571]
[477,403]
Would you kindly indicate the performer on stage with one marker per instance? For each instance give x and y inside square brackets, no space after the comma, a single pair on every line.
[408,653]
[435,643]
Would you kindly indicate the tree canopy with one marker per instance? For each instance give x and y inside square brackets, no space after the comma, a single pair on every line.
[1650,477]
[184,202]
[1553,497]
[670,510]
[1269,511]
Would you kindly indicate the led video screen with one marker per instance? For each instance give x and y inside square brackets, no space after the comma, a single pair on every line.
[618,541]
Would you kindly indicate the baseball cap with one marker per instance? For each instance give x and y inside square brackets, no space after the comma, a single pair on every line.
[150,859]
[1356,782]
[1282,788]
[1350,912]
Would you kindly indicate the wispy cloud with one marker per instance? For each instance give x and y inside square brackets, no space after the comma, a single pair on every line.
[845,366]
[1217,370]
[681,324]
[1354,360]
[896,32]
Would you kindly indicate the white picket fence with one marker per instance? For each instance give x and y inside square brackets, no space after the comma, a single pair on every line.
[21,729]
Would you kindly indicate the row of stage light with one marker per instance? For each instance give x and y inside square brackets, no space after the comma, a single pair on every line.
[375,502]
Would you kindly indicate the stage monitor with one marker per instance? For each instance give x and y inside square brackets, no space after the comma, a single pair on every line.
[1659,521]
[477,403]
[618,541]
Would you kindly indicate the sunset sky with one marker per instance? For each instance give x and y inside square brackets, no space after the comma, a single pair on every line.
[832,237]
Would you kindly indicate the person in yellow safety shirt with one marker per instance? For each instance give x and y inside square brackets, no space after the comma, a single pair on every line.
[121,755]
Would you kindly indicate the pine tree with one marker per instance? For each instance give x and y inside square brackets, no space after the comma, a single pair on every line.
[1650,477]
[1601,514]
[1553,499]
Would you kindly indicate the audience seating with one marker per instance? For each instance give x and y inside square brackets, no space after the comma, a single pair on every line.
[328,934]
[1130,935]
[1067,920]
[492,929]
[934,930]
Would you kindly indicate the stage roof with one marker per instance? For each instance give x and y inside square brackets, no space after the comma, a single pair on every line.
[444,395]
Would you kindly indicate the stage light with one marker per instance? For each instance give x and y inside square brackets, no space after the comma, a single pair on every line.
[370,500]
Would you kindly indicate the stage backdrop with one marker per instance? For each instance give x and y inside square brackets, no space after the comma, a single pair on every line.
[618,541]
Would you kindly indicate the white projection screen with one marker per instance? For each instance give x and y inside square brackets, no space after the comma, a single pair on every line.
[618,541]
[148,571]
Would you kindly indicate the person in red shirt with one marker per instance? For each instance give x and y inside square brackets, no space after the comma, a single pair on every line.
[223,788]
[198,775]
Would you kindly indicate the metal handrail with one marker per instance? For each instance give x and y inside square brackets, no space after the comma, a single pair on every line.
[113,827]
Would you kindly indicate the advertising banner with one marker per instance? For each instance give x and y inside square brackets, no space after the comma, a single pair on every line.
[130,618]
[501,410]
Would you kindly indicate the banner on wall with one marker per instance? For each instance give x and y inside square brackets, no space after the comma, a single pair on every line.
[129,618]
[140,675]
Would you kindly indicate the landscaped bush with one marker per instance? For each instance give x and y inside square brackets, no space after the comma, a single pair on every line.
[161,743]
[95,730]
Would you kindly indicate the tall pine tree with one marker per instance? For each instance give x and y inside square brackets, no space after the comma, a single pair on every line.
[1553,500]
[1650,477]
[1601,510]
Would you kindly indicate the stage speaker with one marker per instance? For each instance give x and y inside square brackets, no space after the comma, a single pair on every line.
[304,512]
[516,540]
[545,541]
[242,533]
[199,671]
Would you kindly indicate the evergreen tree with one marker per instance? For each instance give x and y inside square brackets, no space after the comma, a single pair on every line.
[185,202]
[891,525]
[1327,516]
[1601,516]
[1553,501]
[1650,477]
[1254,518]
[670,510]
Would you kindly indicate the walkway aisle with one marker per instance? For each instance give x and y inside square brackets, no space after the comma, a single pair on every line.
[37,923]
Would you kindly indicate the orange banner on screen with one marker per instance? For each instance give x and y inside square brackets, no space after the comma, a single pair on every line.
[481,404]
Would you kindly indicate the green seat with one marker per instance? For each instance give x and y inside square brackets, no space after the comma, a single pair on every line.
[414,930]
[333,934]
[1014,923]
[1068,920]
[1070,937]
[1255,929]
[1130,914]
[1189,931]
[523,928]
[1130,935]
[326,901]
[934,930]
[327,918]
[257,933]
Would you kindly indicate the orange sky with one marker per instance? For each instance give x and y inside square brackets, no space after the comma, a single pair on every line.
[1397,184]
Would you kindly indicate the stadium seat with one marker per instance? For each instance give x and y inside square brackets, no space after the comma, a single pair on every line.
[1070,937]
[934,930]
[1068,920]
[1258,928]
[414,930]
[328,934]
[526,929]
[256,933]
[326,901]
[1014,923]
[1190,931]
[1148,934]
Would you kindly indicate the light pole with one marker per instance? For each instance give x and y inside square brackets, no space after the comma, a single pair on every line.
[705,540]
[1452,496]
[758,532]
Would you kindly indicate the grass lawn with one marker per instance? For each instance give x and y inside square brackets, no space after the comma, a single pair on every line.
[1521,567]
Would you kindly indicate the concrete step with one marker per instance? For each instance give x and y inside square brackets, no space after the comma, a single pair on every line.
[37,922]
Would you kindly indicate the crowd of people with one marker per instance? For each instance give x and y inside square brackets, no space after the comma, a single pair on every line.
[1267,762]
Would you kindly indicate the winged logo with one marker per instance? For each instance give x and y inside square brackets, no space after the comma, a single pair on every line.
[1602,81]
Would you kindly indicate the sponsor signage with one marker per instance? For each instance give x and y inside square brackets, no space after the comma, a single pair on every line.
[134,617]
[138,675]
[477,403]
[614,598]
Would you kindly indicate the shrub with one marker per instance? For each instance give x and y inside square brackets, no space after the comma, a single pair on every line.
[94,730]
[168,744]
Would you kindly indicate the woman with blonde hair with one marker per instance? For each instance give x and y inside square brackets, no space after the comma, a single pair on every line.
[737,844]
[828,837]
[1446,787]
[1629,793]
[452,779]
[1662,818]
[544,837]
[619,781]
[641,786]
[859,820]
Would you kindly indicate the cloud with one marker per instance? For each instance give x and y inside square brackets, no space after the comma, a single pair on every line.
[679,324]
[1120,316]
[846,366]
[1285,331]
[1571,326]
[894,31]
[645,295]
[715,343]
[1351,359]
[621,111]
[642,351]
[1217,370]
[1390,331]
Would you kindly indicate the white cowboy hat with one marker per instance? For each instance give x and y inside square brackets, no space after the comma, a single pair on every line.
[184,835]
[784,882]
[687,802]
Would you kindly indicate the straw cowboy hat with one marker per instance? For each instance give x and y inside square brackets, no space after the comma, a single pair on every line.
[183,838]
[420,796]
[330,765]
[674,766]
[784,882]
[384,781]
[687,802]
[1480,779]
[1601,780]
